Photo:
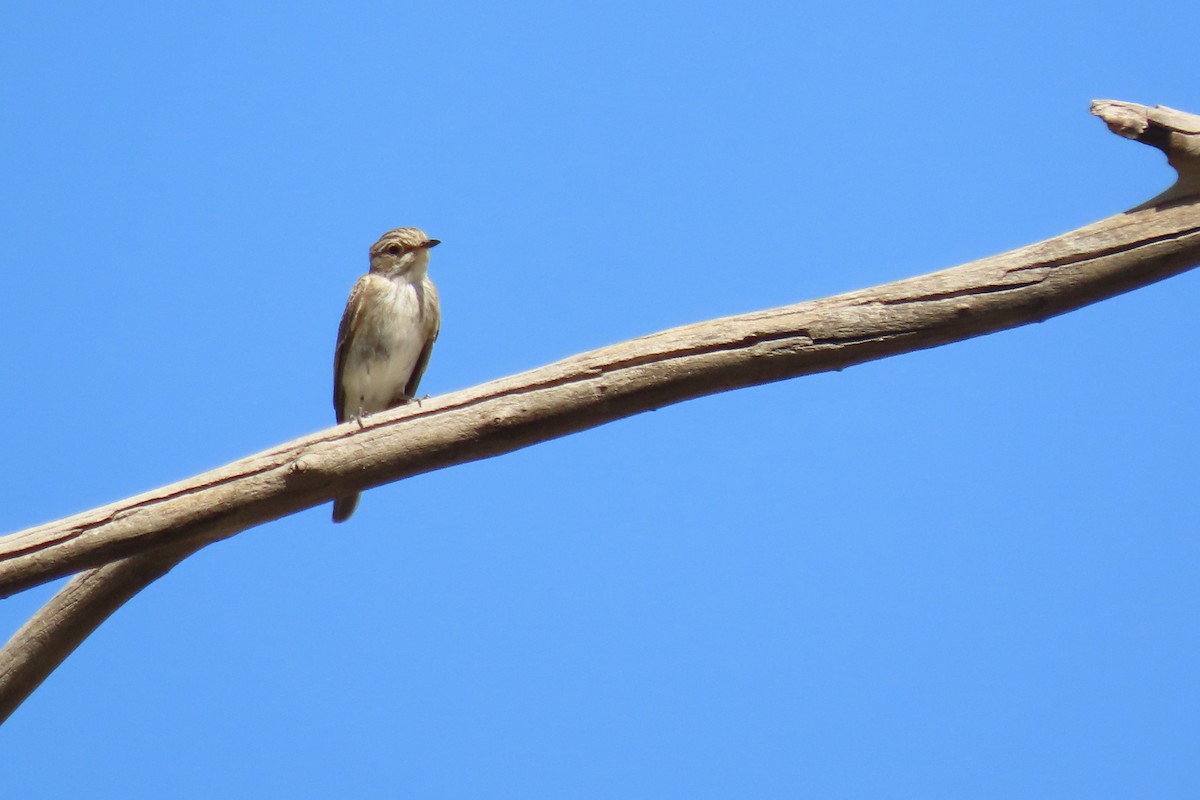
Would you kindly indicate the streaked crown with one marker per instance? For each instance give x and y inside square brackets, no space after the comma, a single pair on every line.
[399,241]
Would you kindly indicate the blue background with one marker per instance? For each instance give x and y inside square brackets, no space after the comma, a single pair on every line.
[967,572]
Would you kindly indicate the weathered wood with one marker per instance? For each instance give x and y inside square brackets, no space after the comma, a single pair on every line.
[58,627]
[1022,286]
[144,536]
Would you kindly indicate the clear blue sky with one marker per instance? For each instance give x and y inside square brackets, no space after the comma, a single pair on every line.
[968,572]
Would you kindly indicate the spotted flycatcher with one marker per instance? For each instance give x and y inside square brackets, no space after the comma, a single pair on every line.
[387,332]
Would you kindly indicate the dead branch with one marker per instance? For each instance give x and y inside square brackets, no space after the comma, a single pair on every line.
[127,545]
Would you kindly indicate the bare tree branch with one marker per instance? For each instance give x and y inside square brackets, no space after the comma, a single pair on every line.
[42,643]
[143,537]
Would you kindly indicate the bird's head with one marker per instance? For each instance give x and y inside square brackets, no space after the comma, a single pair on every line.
[402,252]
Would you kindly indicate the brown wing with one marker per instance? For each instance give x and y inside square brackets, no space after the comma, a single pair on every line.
[431,315]
[353,310]
[414,380]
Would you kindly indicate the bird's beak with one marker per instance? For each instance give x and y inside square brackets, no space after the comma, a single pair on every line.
[433,243]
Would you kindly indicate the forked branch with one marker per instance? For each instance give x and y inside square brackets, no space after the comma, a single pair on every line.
[127,545]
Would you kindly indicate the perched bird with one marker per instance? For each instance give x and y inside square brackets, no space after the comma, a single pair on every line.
[388,329]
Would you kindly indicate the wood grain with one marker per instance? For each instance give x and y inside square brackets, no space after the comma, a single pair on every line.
[128,544]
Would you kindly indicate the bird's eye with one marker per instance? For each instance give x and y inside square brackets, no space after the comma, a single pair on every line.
[394,249]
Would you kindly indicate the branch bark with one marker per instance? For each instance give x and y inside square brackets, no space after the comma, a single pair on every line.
[126,545]
[50,635]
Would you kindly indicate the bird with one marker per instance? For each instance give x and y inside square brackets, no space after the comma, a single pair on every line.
[387,332]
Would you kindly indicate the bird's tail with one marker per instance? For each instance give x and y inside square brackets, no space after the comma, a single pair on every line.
[343,507]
